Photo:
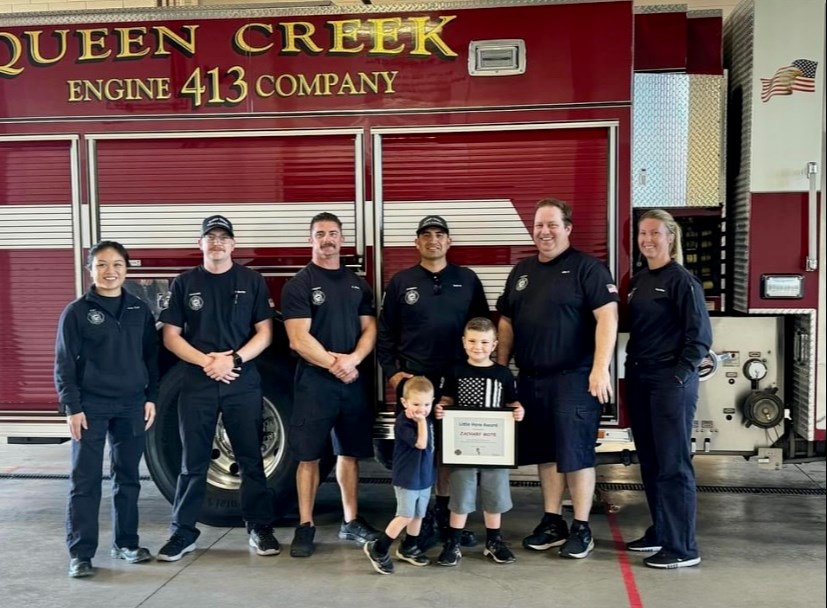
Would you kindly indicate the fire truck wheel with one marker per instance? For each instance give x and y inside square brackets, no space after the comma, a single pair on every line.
[222,505]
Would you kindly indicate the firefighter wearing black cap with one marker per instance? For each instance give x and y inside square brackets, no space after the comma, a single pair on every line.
[106,375]
[424,312]
[217,321]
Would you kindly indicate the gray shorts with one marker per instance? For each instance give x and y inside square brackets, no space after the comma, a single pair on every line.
[495,491]
[411,503]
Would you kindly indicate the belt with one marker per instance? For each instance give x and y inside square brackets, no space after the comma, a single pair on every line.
[651,364]
[544,373]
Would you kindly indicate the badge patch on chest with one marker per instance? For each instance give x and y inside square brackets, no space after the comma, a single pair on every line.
[522,282]
[95,317]
[317,297]
[196,302]
[412,296]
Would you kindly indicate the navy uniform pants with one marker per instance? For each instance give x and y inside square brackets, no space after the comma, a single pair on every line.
[124,425]
[199,404]
[662,409]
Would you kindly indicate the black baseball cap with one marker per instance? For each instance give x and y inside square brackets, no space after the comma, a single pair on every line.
[217,221]
[432,221]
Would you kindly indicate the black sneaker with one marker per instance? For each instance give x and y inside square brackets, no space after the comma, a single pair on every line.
[468,539]
[450,555]
[264,542]
[413,555]
[643,545]
[381,563]
[579,544]
[498,551]
[429,536]
[80,567]
[302,545]
[175,548]
[548,533]
[133,556]
[359,530]
[664,559]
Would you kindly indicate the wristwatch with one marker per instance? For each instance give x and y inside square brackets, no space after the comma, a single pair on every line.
[237,360]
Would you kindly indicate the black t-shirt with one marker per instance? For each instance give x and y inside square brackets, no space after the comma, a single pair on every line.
[333,300]
[423,317]
[551,304]
[218,311]
[472,386]
[413,469]
[669,323]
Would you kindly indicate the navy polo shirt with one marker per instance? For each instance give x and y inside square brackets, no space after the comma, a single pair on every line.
[218,311]
[333,300]
[551,304]
[423,317]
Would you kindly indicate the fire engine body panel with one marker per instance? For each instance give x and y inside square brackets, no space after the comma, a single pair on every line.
[135,129]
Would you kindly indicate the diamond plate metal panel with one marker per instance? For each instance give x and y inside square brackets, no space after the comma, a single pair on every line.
[677,153]
[660,140]
[705,170]
[803,377]
[739,35]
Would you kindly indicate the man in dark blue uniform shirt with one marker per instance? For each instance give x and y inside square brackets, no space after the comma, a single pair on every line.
[330,320]
[217,321]
[424,312]
[106,375]
[559,316]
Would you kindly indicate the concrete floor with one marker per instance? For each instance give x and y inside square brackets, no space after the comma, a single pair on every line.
[758,551]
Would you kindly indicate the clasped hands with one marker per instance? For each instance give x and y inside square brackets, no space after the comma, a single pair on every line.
[220,368]
[344,367]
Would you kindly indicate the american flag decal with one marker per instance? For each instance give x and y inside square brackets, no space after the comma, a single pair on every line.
[479,392]
[800,75]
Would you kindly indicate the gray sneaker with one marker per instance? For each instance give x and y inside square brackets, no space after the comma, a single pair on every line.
[80,567]
[132,556]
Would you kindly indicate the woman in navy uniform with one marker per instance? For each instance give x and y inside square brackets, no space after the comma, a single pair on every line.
[670,334]
[217,321]
[106,375]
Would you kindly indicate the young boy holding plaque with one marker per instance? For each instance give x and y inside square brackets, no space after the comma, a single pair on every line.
[479,383]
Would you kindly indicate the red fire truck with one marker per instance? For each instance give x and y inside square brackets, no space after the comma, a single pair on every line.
[133,126]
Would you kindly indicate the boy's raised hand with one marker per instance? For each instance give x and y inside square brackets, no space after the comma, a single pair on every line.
[519,411]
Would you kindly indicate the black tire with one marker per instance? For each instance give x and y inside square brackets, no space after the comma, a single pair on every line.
[222,500]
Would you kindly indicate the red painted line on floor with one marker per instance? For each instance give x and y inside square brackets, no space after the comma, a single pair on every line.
[623,560]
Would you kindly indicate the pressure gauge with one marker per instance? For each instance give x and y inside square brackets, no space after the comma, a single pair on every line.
[755,369]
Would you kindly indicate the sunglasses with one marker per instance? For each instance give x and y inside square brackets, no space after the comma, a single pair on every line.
[437,285]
